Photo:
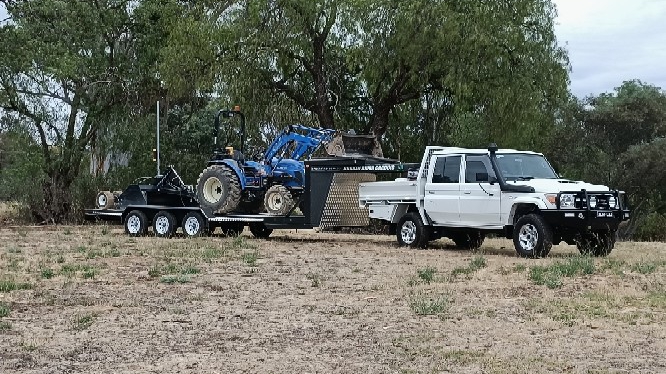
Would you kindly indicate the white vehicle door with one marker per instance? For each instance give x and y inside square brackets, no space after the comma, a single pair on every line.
[479,199]
[442,190]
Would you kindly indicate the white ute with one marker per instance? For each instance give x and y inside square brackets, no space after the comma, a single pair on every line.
[464,194]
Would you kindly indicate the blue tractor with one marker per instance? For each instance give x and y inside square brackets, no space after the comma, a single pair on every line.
[274,184]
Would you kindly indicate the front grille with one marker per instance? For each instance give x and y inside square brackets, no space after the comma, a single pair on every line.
[601,200]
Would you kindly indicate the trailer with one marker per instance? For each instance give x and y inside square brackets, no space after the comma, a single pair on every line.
[329,200]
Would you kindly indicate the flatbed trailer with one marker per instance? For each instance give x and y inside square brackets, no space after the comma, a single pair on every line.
[330,199]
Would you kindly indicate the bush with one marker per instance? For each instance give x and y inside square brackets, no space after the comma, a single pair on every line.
[653,228]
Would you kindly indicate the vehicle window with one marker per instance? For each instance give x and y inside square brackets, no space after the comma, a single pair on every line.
[473,169]
[447,170]
[524,167]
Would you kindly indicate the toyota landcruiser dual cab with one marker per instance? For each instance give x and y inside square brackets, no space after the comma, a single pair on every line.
[464,194]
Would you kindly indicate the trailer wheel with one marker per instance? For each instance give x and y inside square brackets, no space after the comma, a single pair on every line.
[532,236]
[259,230]
[411,231]
[194,225]
[136,223]
[164,224]
[596,244]
[219,189]
[105,200]
[231,229]
[469,239]
[278,200]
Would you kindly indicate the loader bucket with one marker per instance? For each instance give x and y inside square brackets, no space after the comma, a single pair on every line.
[354,145]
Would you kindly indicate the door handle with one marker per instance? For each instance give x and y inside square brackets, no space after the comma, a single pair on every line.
[431,192]
[467,192]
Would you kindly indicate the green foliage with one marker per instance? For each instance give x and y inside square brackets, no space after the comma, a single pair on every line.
[478,262]
[426,274]
[551,275]
[423,305]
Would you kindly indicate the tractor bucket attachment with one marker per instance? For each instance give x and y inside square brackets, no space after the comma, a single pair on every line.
[354,145]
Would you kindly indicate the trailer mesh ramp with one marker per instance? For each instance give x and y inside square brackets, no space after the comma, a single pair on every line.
[342,208]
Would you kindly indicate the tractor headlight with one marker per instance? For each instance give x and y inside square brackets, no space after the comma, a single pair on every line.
[593,202]
[567,201]
[612,202]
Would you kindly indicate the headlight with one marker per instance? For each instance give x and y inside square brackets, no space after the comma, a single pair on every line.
[612,202]
[593,202]
[567,201]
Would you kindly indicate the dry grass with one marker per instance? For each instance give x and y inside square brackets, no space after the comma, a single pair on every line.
[91,299]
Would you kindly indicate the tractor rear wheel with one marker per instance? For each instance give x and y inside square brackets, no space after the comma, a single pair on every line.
[278,200]
[219,189]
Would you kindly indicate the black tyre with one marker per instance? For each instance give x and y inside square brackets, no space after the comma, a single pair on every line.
[596,244]
[219,189]
[136,223]
[164,224]
[232,228]
[468,239]
[278,200]
[259,230]
[105,200]
[532,236]
[411,232]
[194,225]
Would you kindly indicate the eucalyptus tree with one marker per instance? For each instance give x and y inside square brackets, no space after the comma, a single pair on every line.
[494,65]
[62,74]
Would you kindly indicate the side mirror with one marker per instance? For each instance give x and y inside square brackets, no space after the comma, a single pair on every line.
[493,180]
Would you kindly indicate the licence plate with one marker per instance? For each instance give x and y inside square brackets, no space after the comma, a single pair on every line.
[605,215]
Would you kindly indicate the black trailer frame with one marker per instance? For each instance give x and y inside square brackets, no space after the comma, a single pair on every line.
[320,176]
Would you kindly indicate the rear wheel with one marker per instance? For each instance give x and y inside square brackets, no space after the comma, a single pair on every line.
[136,223]
[532,236]
[278,200]
[469,239]
[219,189]
[596,244]
[194,225]
[164,224]
[259,230]
[411,232]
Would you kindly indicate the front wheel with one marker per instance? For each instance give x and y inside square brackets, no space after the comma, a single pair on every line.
[136,223]
[219,189]
[278,201]
[598,244]
[411,232]
[164,224]
[532,236]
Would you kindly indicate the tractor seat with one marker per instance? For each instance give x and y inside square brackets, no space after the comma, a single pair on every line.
[238,156]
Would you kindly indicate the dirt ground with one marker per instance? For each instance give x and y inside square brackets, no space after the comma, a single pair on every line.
[90,299]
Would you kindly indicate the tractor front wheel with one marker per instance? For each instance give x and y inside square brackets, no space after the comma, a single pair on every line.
[278,201]
[219,189]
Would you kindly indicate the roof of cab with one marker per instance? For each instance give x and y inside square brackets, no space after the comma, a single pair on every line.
[457,150]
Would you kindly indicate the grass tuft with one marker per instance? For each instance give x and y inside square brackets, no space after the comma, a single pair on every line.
[426,274]
[478,262]
[83,322]
[426,306]
[4,310]
[8,285]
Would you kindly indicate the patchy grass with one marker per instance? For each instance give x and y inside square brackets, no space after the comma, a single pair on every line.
[551,275]
[315,279]
[475,264]
[173,279]
[9,285]
[424,305]
[83,321]
[4,310]
[250,258]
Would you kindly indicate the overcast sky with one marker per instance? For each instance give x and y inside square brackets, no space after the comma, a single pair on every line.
[609,41]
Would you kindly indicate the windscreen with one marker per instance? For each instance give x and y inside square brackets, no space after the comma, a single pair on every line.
[519,166]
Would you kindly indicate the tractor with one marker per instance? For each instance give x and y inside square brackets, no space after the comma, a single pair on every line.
[273,184]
